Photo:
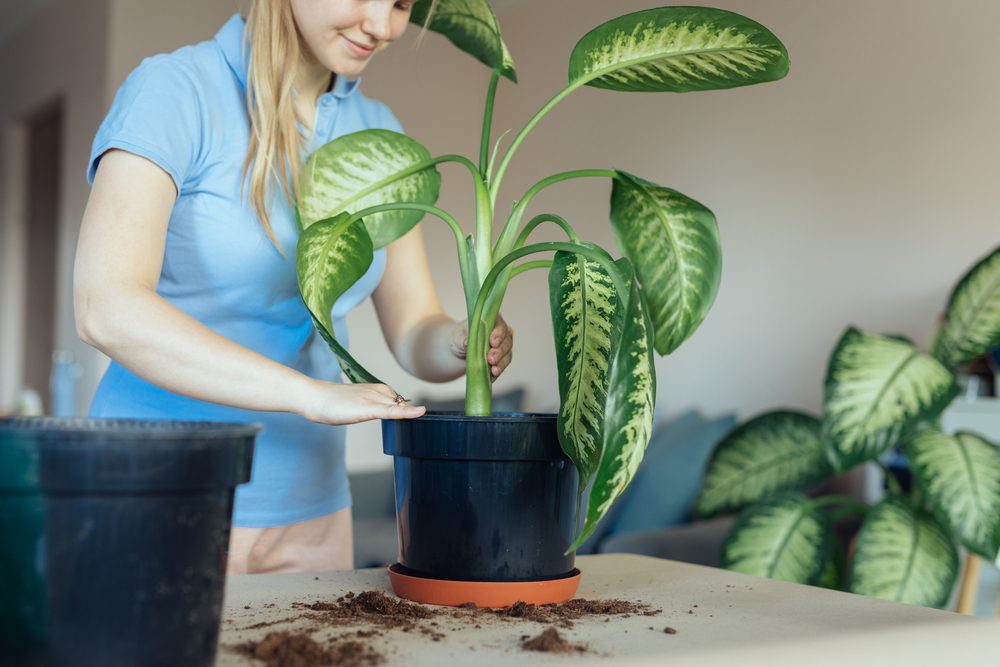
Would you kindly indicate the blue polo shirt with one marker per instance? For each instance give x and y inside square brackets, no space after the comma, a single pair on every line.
[186,112]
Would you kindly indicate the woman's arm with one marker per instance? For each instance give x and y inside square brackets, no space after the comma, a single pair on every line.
[425,341]
[118,263]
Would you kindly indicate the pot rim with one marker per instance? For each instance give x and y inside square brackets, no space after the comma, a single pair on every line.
[105,430]
[501,418]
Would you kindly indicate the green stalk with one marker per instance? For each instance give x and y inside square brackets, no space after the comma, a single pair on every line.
[528,266]
[495,184]
[484,143]
[484,229]
[477,382]
[506,241]
[468,282]
[539,219]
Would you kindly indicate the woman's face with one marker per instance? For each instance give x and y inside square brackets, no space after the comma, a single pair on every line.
[343,35]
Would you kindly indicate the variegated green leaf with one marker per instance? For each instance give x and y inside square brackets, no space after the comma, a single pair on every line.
[332,255]
[770,454]
[971,326]
[961,477]
[673,241]
[678,49]
[365,169]
[628,415]
[472,26]
[587,323]
[903,556]
[784,538]
[877,389]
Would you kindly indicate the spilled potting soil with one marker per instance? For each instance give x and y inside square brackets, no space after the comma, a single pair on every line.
[363,618]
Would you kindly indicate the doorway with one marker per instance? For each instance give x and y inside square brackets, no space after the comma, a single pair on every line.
[41,217]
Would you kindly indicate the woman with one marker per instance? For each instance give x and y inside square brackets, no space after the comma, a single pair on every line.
[185,271]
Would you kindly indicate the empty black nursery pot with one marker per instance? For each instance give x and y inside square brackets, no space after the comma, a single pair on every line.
[482,498]
[113,536]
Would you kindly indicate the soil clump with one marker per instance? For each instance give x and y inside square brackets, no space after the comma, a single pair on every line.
[550,641]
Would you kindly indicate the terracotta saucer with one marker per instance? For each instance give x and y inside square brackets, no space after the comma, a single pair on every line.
[482,593]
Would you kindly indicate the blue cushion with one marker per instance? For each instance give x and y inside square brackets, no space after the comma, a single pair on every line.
[665,486]
[672,430]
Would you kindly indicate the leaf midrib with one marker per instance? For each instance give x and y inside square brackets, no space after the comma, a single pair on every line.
[581,263]
[803,510]
[967,460]
[678,54]
[683,268]
[778,460]
[885,387]
[977,308]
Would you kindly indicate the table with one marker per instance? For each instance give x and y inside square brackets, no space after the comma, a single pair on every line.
[721,618]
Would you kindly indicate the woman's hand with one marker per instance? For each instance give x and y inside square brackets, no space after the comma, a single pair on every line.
[501,345]
[336,403]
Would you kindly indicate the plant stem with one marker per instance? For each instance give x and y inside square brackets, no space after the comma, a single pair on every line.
[495,184]
[506,241]
[500,286]
[484,230]
[468,284]
[539,219]
[477,383]
[528,266]
[484,143]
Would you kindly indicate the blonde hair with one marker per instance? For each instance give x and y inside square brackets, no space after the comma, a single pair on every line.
[275,141]
[274,153]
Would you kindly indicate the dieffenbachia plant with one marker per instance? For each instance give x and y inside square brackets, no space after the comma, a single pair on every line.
[361,191]
[881,392]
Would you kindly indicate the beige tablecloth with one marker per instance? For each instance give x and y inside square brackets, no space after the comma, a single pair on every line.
[738,620]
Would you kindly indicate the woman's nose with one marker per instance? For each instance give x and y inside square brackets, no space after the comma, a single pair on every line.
[376,22]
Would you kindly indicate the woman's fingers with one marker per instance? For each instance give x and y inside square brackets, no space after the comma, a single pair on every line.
[501,348]
[349,404]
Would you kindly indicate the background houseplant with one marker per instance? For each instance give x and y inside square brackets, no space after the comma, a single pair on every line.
[363,190]
[880,392]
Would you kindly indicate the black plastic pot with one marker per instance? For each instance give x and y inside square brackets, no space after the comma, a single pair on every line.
[482,498]
[112,539]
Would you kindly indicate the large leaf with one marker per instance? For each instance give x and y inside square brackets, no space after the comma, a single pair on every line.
[770,454]
[628,415]
[332,255]
[587,324]
[961,477]
[785,538]
[472,26]
[904,556]
[673,241]
[678,49]
[365,169]
[877,389]
[971,326]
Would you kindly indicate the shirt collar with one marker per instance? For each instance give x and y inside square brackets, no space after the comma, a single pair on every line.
[237,55]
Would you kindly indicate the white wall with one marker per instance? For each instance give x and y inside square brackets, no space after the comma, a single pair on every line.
[855,191]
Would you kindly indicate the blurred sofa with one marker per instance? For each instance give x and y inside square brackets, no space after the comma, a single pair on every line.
[653,516]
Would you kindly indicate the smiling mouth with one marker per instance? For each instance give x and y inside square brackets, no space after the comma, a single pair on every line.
[359,49]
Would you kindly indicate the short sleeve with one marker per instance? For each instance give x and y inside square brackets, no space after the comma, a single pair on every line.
[155,114]
[389,121]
